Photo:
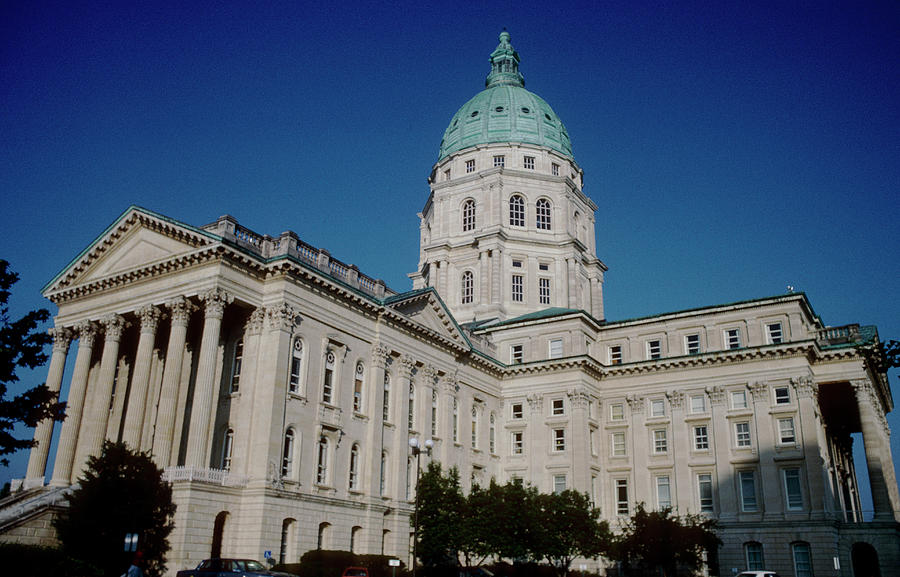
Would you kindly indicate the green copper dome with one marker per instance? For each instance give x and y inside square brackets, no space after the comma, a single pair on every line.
[505,112]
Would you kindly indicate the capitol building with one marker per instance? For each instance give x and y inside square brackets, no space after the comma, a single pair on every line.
[279,387]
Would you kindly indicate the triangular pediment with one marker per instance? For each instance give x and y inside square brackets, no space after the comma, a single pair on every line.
[137,240]
[426,309]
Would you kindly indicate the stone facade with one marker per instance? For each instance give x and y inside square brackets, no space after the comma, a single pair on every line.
[279,387]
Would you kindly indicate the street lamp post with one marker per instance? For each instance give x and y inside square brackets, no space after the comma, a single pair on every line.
[417,451]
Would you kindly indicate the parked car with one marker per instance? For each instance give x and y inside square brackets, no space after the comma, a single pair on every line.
[222,567]
[757,573]
[355,572]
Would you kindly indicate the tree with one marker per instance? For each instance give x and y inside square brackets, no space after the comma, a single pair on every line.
[22,346]
[121,492]
[660,542]
[570,527]
[440,504]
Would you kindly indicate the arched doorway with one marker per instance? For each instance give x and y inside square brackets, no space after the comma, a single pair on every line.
[865,560]
[218,533]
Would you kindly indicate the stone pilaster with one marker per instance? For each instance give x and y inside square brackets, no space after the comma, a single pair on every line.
[137,396]
[68,438]
[251,372]
[448,389]
[379,359]
[579,428]
[180,312]
[727,504]
[198,447]
[43,432]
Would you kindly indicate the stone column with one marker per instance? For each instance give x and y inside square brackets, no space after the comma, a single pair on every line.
[140,381]
[180,312]
[249,377]
[815,447]
[43,432]
[93,430]
[266,432]
[379,357]
[68,438]
[198,446]
[580,451]
[878,451]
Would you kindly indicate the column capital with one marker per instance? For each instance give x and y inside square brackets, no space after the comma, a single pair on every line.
[430,374]
[256,321]
[716,395]
[380,354]
[87,332]
[215,301]
[280,317]
[535,403]
[113,326]
[62,338]
[407,366]
[180,310]
[635,403]
[150,316]
[759,391]
[449,385]
[676,399]
[805,387]
[579,398]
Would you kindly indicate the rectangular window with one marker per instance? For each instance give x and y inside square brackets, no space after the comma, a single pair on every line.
[663,492]
[701,438]
[499,161]
[328,381]
[592,441]
[705,488]
[516,354]
[698,404]
[742,434]
[617,412]
[615,355]
[754,557]
[792,491]
[748,490]
[618,444]
[733,338]
[559,483]
[782,395]
[554,169]
[544,290]
[236,363]
[517,410]
[658,408]
[654,349]
[557,407]
[543,266]
[739,399]
[559,440]
[621,496]
[434,413]
[660,441]
[556,349]
[692,344]
[802,560]
[518,443]
[357,390]
[774,334]
[455,423]
[517,264]
[470,166]
[786,431]
[518,288]
[528,162]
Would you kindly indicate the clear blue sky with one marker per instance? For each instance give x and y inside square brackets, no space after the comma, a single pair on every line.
[733,148]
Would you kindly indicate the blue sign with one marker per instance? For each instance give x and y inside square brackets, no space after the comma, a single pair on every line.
[267,554]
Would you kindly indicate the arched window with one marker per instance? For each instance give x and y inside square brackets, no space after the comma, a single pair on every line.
[287,534]
[355,533]
[468,215]
[516,210]
[328,382]
[386,406]
[236,362]
[543,214]
[492,440]
[354,468]
[287,456]
[322,540]
[227,448]
[322,462]
[411,408]
[219,526]
[358,380]
[468,288]
[296,367]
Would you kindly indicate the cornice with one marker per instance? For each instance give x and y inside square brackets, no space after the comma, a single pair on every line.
[582,362]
